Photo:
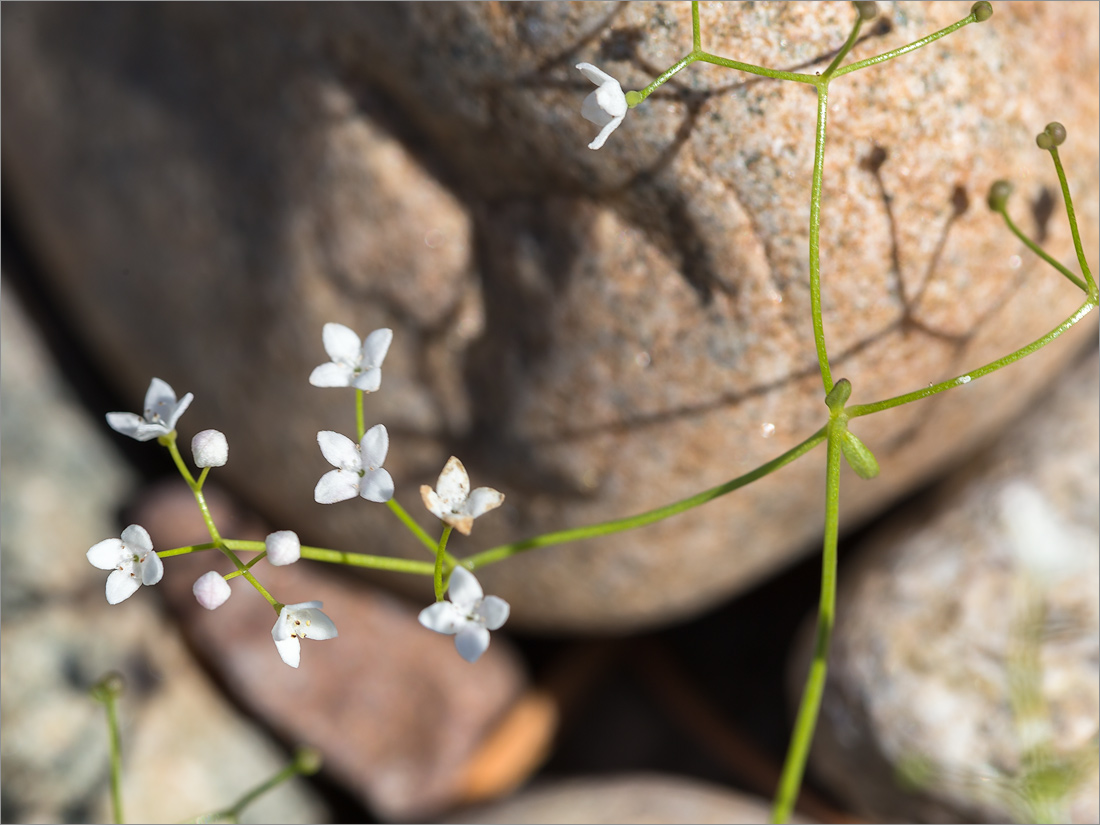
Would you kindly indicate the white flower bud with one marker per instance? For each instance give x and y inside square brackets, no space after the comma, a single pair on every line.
[211,590]
[210,448]
[283,547]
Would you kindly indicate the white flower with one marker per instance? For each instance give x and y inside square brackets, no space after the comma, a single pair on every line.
[353,364]
[606,107]
[211,590]
[210,449]
[131,560]
[452,501]
[300,621]
[468,616]
[162,411]
[358,467]
[283,547]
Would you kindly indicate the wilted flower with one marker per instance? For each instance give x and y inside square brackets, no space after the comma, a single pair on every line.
[452,501]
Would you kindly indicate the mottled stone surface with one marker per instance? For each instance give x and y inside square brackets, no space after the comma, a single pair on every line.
[648,798]
[932,638]
[594,334]
[62,486]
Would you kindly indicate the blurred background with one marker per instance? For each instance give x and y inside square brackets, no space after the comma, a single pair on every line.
[192,193]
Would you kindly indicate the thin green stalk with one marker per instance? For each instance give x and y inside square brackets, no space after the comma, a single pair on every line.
[775,74]
[890,55]
[360,422]
[634,98]
[795,765]
[420,568]
[1073,221]
[696,31]
[840,55]
[1038,250]
[414,528]
[439,555]
[815,237]
[966,378]
[106,691]
[188,548]
[304,763]
[504,551]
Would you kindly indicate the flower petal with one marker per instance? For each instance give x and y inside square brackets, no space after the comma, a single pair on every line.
[601,138]
[290,650]
[442,617]
[121,585]
[341,344]
[595,74]
[376,485]
[159,394]
[369,380]
[107,554]
[152,568]
[171,415]
[471,641]
[134,426]
[336,485]
[494,610]
[482,500]
[376,346]
[464,589]
[331,375]
[136,538]
[454,483]
[593,112]
[315,625]
[433,502]
[339,451]
[374,446]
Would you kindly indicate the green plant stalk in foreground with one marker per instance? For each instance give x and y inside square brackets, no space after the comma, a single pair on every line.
[106,691]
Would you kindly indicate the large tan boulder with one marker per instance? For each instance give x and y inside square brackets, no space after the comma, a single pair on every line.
[593,333]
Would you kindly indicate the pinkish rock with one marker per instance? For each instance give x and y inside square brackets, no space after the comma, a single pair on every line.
[594,334]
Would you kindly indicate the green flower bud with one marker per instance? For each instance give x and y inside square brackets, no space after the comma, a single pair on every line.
[838,397]
[998,195]
[982,11]
[307,761]
[867,9]
[857,455]
[109,686]
[633,99]
[1057,133]
[1044,141]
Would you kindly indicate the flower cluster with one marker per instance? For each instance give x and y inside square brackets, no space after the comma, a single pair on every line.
[358,473]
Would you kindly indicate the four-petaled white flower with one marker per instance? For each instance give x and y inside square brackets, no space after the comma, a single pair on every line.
[211,590]
[354,363]
[162,411]
[452,501]
[300,621]
[606,107]
[210,449]
[468,616]
[358,467]
[283,547]
[131,560]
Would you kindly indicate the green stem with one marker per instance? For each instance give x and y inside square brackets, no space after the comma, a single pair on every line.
[234,811]
[504,551]
[847,47]
[696,31]
[413,527]
[791,779]
[439,556]
[1091,289]
[966,378]
[664,76]
[815,237]
[1034,247]
[890,55]
[360,422]
[116,758]
[774,74]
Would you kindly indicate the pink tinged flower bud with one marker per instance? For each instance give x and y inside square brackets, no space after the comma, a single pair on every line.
[210,448]
[283,547]
[211,590]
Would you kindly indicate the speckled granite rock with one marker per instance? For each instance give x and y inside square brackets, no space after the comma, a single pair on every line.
[648,798]
[62,487]
[931,642]
[594,333]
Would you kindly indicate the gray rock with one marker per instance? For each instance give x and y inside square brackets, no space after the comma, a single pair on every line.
[594,334]
[62,485]
[643,798]
[988,586]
